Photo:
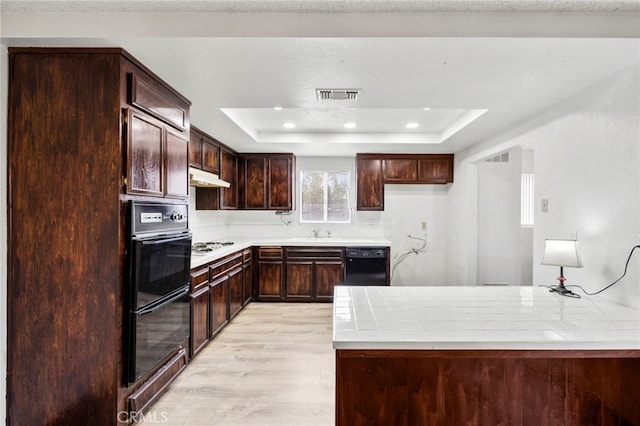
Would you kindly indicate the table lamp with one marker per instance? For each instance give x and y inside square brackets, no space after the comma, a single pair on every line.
[562,253]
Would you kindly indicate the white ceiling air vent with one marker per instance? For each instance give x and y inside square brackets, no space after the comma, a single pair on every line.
[337,94]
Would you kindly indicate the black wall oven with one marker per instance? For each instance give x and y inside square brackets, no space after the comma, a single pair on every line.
[159,257]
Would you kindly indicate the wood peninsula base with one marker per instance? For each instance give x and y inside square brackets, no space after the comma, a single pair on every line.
[487,387]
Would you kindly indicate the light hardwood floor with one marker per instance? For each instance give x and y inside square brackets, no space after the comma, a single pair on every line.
[274,364]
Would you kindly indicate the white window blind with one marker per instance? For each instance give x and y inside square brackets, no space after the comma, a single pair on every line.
[526,199]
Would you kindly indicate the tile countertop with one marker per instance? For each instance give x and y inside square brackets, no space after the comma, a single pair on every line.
[481,318]
[199,260]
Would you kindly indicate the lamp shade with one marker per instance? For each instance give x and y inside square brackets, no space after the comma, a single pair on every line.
[561,253]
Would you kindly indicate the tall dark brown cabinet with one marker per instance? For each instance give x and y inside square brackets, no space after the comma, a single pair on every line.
[81,123]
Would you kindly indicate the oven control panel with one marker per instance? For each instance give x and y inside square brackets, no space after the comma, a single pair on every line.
[153,218]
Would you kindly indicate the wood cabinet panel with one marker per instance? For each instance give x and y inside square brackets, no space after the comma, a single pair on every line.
[195,149]
[267,181]
[199,278]
[210,156]
[235,292]
[148,95]
[219,304]
[281,170]
[327,275]
[151,390]
[247,277]
[199,335]
[177,170]
[255,182]
[370,184]
[312,273]
[437,169]
[270,253]
[63,281]
[487,387]
[204,151]
[229,173]
[299,283]
[270,275]
[399,170]
[145,153]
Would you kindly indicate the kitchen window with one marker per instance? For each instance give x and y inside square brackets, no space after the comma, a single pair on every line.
[324,196]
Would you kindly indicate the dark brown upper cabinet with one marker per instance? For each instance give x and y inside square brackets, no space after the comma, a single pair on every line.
[266,181]
[176,169]
[369,183]
[229,173]
[157,125]
[195,148]
[400,170]
[375,170]
[145,139]
[204,151]
[436,168]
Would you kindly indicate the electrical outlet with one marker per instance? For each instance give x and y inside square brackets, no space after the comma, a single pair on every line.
[423,225]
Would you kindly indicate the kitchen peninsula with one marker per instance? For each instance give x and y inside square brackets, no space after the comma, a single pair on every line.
[483,355]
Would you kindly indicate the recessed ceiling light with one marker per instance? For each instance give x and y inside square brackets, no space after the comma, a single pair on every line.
[411,125]
[350,125]
[426,109]
[288,125]
[278,108]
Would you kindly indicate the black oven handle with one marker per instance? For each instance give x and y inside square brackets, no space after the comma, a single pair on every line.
[166,240]
[163,303]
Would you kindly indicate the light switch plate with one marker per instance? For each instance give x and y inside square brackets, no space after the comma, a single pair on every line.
[544,205]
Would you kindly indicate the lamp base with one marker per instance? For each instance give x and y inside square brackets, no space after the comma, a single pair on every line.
[563,291]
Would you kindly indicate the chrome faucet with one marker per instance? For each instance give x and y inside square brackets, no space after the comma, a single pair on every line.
[316,232]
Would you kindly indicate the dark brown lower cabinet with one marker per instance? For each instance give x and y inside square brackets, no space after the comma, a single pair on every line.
[487,387]
[199,320]
[313,272]
[235,291]
[219,304]
[269,274]
[328,273]
[247,281]
[299,283]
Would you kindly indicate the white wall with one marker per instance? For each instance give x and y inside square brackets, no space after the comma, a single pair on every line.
[406,207]
[498,221]
[587,166]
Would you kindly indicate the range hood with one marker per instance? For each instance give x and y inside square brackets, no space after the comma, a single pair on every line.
[205,179]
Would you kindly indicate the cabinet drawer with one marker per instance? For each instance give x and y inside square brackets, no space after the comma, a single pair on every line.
[152,97]
[199,278]
[225,264]
[153,388]
[246,255]
[270,253]
[314,254]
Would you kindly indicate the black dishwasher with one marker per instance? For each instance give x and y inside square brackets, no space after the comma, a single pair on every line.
[366,266]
